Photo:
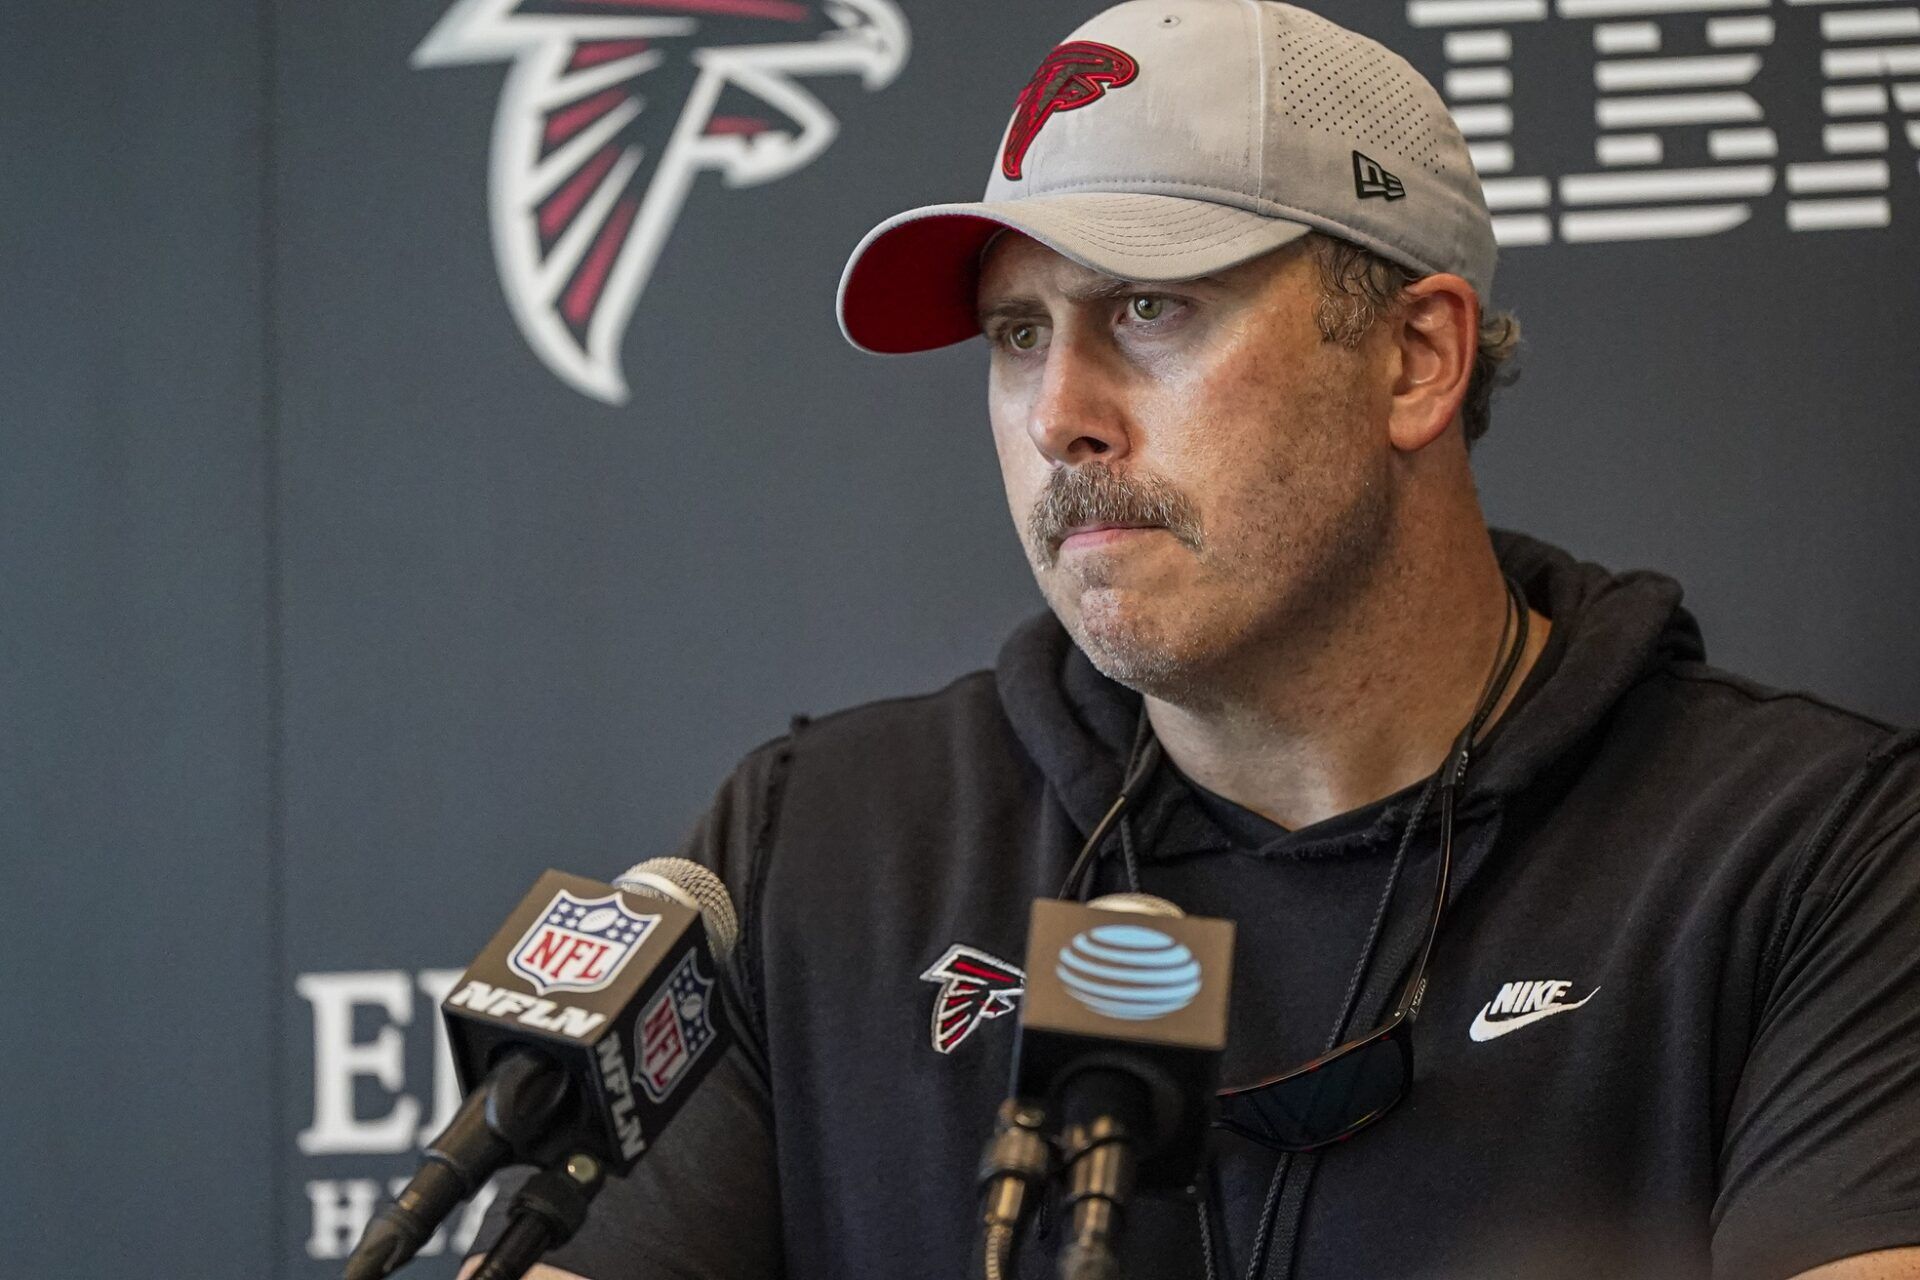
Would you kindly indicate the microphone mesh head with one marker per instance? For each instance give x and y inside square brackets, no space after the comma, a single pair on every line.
[692,885]
[1143,903]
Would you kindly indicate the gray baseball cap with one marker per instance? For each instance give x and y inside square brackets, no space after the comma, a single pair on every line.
[1169,139]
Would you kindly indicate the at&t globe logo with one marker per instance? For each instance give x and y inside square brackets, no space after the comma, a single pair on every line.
[1129,971]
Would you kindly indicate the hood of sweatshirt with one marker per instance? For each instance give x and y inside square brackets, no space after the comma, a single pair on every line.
[1610,631]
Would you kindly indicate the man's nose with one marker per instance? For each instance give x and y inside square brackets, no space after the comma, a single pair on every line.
[1078,415]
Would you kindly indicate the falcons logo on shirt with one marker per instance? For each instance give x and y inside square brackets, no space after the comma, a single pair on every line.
[610,111]
[974,986]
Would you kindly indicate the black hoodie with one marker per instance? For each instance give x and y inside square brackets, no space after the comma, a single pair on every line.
[1721,880]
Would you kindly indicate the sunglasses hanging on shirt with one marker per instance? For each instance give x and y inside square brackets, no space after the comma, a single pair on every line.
[1354,1084]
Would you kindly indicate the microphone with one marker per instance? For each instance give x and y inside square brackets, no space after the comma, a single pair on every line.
[587,991]
[1121,1032]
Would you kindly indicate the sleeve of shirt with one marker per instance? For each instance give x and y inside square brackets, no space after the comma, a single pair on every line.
[1821,1158]
[703,1203]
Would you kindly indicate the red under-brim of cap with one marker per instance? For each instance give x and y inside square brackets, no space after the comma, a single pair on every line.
[911,283]
[912,286]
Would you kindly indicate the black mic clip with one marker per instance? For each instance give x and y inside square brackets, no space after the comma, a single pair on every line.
[548,1209]
[1014,1171]
[502,1121]
[1100,1148]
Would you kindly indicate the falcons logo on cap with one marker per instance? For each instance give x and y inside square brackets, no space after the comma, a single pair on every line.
[610,111]
[974,986]
[1073,75]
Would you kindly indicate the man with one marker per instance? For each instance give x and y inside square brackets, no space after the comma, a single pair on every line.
[1232,269]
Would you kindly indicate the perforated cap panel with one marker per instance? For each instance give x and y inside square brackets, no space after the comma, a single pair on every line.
[1328,81]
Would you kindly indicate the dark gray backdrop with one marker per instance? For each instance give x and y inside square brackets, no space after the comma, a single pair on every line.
[329,616]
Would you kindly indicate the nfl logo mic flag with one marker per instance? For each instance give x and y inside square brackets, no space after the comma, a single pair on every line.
[675,1029]
[620,991]
[580,944]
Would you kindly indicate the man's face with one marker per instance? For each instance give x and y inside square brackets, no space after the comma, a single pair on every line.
[1193,470]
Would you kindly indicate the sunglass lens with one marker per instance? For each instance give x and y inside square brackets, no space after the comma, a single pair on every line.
[1326,1103]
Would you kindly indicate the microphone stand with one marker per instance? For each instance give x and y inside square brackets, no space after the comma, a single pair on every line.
[548,1209]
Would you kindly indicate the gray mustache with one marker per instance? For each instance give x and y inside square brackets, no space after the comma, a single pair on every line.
[1097,494]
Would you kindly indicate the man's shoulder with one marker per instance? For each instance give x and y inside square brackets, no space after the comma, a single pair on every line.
[1741,708]
[892,742]
[1757,744]
[969,704]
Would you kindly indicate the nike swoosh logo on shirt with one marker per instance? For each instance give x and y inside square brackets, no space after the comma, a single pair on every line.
[1482,1030]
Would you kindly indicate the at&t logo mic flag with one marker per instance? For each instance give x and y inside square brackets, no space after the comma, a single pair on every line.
[1145,995]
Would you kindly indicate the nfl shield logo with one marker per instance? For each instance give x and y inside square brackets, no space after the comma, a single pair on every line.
[674,1027]
[580,944]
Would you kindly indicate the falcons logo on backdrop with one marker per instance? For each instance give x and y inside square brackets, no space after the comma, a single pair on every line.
[612,108]
[974,986]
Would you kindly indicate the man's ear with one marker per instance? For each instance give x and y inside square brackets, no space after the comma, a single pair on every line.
[1437,331]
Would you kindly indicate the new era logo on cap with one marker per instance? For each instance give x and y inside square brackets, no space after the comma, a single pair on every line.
[1370,179]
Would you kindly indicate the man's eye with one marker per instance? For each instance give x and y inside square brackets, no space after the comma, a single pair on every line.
[1148,307]
[1023,337]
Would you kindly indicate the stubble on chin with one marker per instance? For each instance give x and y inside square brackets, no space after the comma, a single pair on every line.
[1129,636]
[1100,596]
[1238,605]
[1129,652]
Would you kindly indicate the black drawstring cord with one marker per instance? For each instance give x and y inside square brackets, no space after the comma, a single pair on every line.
[1213,1231]
[1142,759]
[1420,807]
[1513,628]
[1128,855]
[1455,765]
[1263,1240]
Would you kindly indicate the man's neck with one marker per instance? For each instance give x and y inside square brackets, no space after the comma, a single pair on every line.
[1321,724]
